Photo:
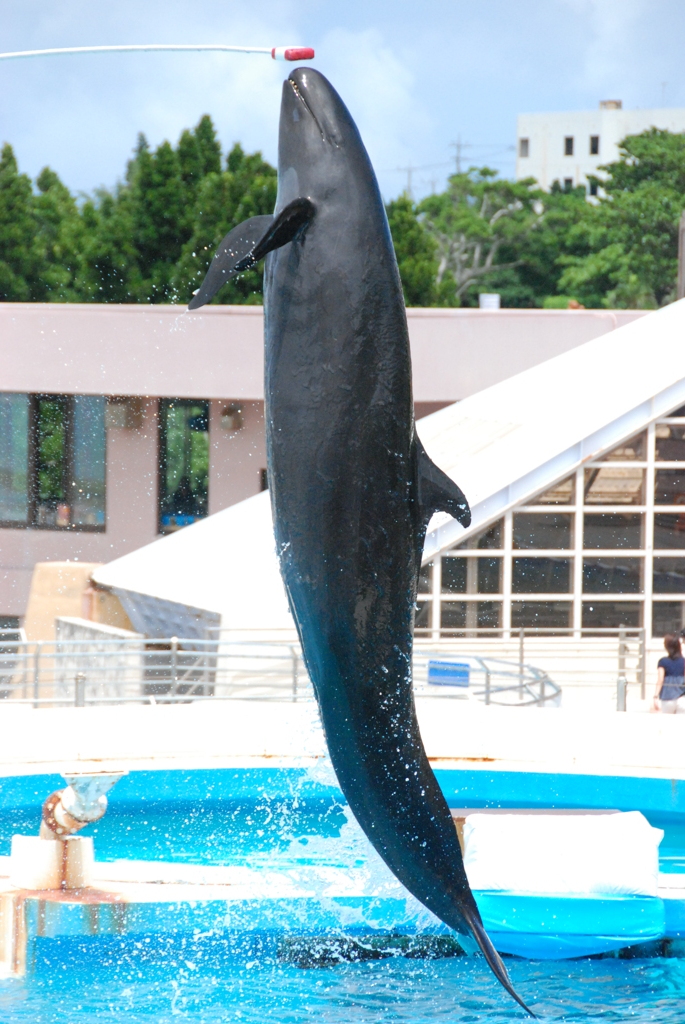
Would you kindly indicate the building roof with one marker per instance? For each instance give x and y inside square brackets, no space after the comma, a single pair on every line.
[502,446]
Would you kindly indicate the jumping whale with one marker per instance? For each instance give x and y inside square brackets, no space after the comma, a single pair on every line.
[352,488]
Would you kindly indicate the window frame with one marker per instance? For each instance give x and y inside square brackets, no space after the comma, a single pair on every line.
[32,485]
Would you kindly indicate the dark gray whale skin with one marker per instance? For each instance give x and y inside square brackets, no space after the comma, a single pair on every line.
[351,488]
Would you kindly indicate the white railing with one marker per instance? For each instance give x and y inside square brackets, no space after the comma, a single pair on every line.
[110,667]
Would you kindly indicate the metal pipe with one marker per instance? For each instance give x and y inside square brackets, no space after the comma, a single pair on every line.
[522,634]
[487,685]
[621,693]
[174,665]
[643,663]
[36,672]
[80,690]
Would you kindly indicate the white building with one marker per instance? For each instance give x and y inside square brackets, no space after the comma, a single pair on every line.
[568,146]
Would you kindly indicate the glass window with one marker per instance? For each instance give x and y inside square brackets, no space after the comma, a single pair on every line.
[471,575]
[669,487]
[593,187]
[667,617]
[614,486]
[464,615]
[426,578]
[543,530]
[422,615]
[88,461]
[14,459]
[562,493]
[542,614]
[50,460]
[594,145]
[184,462]
[568,145]
[524,147]
[613,530]
[488,539]
[669,530]
[633,450]
[669,443]
[612,614]
[541,575]
[612,575]
[669,575]
[677,413]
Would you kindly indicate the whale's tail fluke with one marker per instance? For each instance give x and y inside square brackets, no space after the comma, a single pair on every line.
[491,955]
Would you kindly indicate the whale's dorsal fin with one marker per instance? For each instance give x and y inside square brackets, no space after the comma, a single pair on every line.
[438,492]
[248,243]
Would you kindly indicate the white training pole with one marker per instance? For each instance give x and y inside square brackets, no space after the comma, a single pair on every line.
[277,52]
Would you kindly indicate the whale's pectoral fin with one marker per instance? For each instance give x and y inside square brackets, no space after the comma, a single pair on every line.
[237,244]
[438,492]
[248,243]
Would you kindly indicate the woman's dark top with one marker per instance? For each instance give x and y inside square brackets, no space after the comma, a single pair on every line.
[674,683]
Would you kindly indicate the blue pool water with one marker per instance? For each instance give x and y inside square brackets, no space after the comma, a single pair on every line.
[400,990]
[288,818]
[249,816]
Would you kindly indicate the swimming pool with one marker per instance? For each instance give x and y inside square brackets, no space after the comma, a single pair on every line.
[412,991]
[275,959]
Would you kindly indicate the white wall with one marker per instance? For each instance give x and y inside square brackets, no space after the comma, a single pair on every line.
[546,132]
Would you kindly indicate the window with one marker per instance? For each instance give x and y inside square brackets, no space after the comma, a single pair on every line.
[471,575]
[524,147]
[669,530]
[544,530]
[594,145]
[614,485]
[426,578]
[632,450]
[669,487]
[593,187]
[458,616]
[667,617]
[183,462]
[669,443]
[611,614]
[669,575]
[14,460]
[612,575]
[422,615]
[491,538]
[613,530]
[52,461]
[541,575]
[541,614]
[568,184]
[568,145]
[562,493]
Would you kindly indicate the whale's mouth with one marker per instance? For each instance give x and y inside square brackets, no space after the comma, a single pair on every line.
[302,98]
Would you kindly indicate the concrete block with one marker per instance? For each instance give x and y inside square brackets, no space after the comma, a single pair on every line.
[37,863]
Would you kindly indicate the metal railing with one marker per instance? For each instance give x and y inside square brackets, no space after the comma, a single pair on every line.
[105,670]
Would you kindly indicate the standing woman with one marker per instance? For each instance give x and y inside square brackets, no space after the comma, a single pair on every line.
[670,686]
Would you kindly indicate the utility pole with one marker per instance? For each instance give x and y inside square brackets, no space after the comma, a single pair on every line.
[457,147]
[409,171]
[680,294]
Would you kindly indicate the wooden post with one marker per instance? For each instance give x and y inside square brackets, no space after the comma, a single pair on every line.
[681,258]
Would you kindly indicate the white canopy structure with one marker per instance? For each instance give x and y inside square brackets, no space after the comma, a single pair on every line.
[502,446]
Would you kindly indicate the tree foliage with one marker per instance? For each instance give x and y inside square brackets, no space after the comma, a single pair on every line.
[150,239]
[152,236]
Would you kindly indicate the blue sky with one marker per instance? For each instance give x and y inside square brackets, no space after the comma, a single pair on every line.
[416,76]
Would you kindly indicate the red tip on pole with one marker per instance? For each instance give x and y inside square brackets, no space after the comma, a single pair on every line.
[292,53]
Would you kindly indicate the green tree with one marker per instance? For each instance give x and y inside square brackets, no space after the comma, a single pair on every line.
[60,234]
[631,234]
[20,249]
[247,188]
[475,223]
[417,255]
